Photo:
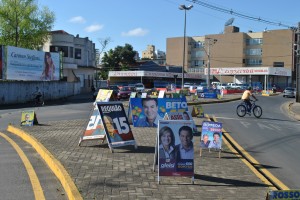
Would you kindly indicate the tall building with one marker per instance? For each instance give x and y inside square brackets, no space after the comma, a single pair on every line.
[234,49]
[149,53]
[79,57]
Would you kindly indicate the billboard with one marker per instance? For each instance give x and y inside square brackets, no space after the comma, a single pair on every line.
[31,65]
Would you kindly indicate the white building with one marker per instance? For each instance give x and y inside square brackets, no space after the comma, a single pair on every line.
[79,57]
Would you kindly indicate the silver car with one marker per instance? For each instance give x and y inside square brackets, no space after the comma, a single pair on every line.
[289,92]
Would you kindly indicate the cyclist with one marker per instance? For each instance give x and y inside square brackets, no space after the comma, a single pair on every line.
[246,98]
[38,95]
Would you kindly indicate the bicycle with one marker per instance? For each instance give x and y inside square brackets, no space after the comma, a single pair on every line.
[37,101]
[241,109]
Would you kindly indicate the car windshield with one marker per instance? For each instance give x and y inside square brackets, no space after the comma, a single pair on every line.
[125,89]
[292,89]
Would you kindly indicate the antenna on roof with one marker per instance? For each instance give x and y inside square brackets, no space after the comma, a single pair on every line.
[229,22]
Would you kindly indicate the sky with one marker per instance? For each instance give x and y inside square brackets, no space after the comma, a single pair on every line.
[150,22]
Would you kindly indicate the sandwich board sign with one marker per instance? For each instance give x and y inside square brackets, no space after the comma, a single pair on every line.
[117,128]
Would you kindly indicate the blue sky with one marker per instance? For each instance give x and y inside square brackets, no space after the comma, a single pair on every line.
[144,22]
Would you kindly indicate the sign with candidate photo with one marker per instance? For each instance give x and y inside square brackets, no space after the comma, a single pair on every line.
[117,128]
[28,118]
[175,148]
[211,136]
[146,112]
[104,95]
[186,115]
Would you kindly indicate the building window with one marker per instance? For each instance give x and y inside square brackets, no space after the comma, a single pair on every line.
[198,54]
[198,45]
[254,41]
[71,52]
[77,53]
[253,62]
[253,52]
[63,49]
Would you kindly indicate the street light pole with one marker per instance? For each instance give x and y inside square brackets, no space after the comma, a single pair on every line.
[183,7]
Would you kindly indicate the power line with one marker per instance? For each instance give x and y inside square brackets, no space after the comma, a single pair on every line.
[241,15]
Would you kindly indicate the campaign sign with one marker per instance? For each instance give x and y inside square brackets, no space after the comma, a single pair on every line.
[132,94]
[161,94]
[27,118]
[103,95]
[95,128]
[209,93]
[284,194]
[186,115]
[198,111]
[117,128]
[146,112]
[211,136]
[175,148]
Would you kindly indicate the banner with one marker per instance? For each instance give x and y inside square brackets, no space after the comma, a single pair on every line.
[95,128]
[284,194]
[175,148]
[211,136]
[28,118]
[104,95]
[186,115]
[26,64]
[117,128]
[147,111]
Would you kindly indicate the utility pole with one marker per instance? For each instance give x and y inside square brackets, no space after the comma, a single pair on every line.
[211,41]
[298,65]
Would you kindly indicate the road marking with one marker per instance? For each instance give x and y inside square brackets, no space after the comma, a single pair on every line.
[36,186]
[56,167]
[245,124]
[251,162]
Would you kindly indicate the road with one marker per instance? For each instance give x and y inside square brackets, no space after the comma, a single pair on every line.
[273,140]
[15,181]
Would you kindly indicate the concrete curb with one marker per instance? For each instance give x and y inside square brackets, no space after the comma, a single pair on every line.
[56,167]
[295,115]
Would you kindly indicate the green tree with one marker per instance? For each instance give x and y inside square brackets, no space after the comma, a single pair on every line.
[118,59]
[23,24]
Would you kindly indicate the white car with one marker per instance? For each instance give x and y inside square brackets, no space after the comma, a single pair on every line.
[139,87]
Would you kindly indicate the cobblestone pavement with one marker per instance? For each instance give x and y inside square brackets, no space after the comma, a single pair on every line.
[128,173]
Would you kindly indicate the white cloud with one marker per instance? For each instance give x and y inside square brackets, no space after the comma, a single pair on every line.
[77,19]
[93,28]
[135,32]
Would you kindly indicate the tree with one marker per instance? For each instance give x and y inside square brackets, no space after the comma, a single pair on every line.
[22,24]
[118,59]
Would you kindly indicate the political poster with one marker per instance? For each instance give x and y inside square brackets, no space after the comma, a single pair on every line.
[132,94]
[186,115]
[198,111]
[211,136]
[161,94]
[117,128]
[175,148]
[283,194]
[103,95]
[146,112]
[95,128]
[28,118]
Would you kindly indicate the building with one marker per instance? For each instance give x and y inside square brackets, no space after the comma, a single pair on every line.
[78,57]
[234,49]
[149,53]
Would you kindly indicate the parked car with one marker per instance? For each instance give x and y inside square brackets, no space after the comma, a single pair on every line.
[115,90]
[289,92]
[124,92]
[139,87]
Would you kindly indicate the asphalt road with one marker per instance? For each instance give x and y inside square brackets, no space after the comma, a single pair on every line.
[273,140]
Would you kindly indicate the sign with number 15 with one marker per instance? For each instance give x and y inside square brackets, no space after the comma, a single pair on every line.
[117,128]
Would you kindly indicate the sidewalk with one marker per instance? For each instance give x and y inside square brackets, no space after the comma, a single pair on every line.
[128,173]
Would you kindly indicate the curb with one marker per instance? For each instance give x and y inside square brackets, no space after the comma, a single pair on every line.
[295,115]
[56,167]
